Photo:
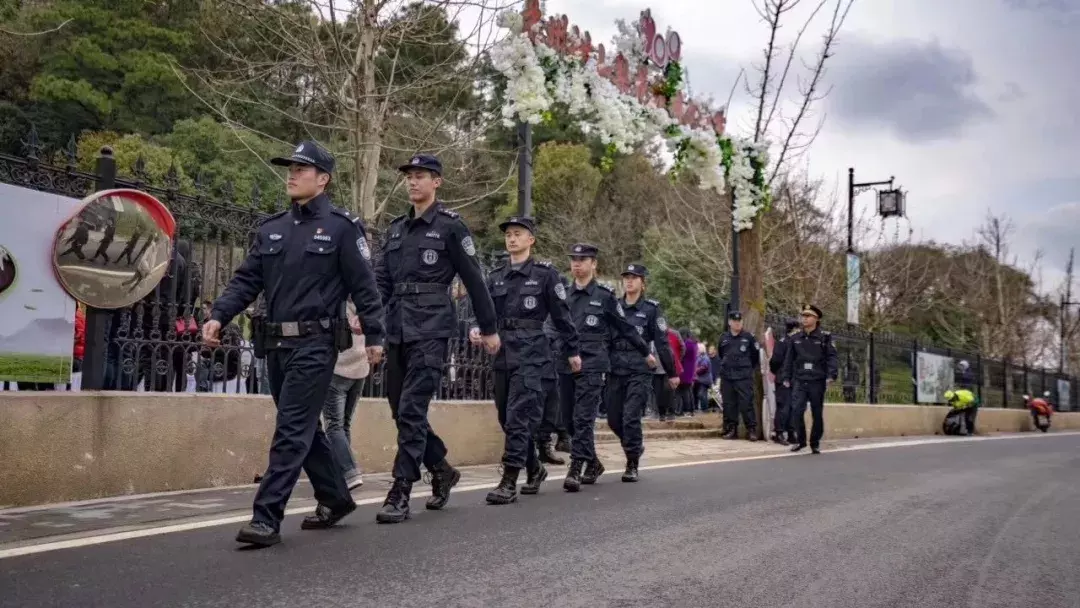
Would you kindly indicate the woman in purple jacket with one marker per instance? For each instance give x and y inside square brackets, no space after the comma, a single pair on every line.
[689,370]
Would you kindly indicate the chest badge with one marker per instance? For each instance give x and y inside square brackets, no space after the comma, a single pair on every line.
[430,257]
[591,321]
[560,291]
[742,348]
[529,303]
[640,330]
[275,237]
[319,236]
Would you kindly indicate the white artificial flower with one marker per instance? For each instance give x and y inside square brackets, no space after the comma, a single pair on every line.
[527,96]
[628,41]
[511,20]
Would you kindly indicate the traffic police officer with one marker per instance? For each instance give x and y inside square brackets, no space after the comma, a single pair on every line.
[422,252]
[630,381]
[306,260]
[739,357]
[783,427]
[809,366]
[525,291]
[599,319]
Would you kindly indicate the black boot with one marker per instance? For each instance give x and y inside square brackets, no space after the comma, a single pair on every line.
[630,475]
[443,478]
[751,434]
[592,472]
[563,444]
[324,517]
[395,508]
[730,433]
[259,534]
[534,480]
[572,483]
[506,492]
[548,455]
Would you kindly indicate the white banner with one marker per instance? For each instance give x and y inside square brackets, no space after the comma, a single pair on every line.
[853,278]
[1064,398]
[935,376]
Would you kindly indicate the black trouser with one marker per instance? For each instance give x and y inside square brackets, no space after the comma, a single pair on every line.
[626,397]
[518,395]
[413,373]
[684,399]
[782,422]
[550,422]
[969,419]
[566,387]
[738,397]
[814,392]
[299,378]
[581,395]
[663,393]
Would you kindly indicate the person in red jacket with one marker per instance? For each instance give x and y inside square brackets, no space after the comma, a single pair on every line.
[665,394]
[80,339]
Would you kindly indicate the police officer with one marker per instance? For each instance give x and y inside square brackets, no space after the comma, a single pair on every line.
[809,366]
[550,423]
[306,260]
[422,252]
[564,386]
[630,381]
[739,357]
[600,319]
[783,427]
[525,291]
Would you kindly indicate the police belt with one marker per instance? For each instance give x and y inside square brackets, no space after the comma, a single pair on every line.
[295,329]
[520,324]
[584,337]
[624,345]
[412,288]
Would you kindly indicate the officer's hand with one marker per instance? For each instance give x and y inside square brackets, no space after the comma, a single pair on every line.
[673,382]
[829,382]
[211,333]
[787,384]
[374,354]
[474,336]
[651,361]
[491,343]
[575,364]
[355,325]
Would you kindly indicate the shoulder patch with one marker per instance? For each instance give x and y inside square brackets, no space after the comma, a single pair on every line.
[544,263]
[273,217]
[653,302]
[499,267]
[399,218]
[605,288]
[449,213]
[345,213]
[826,334]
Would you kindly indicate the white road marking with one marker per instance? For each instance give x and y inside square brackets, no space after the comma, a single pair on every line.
[236,519]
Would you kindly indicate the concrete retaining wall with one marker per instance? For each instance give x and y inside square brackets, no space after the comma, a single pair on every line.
[60,446]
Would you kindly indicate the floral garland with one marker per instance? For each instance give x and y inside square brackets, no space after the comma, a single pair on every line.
[538,78]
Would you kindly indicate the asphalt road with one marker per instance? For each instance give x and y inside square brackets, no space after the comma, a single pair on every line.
[980,524]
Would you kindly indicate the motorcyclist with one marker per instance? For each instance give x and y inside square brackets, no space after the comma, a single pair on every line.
[1041,410]
[965,407]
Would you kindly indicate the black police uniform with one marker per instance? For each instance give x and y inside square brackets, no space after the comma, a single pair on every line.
[630,381]
[420,256]
[550,423]
[783,425]
[810,361]
[599,319]
[739,356]
[524,297]
[306,260]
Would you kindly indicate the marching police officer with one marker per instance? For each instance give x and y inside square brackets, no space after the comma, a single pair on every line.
[306,260]
[422,252]
[783,427]
[599,318]
[739,356]
[550,423]
[630,381]
[809,366]
[525,291]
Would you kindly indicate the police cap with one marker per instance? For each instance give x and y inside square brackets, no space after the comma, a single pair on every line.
[791,325]
[636,270]
[423,161]
[307,153]
[735,315]
[810,309]
[583,250]
[524,222]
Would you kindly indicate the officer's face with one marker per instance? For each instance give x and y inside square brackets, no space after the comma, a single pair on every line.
[809,321]
[582,267]
[518,239]
[305,182]
[735,325]
[422,185]
[632,283]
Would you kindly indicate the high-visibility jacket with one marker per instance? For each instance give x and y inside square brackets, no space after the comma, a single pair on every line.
[960,399]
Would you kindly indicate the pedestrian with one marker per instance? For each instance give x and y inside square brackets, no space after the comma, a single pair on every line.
[564,386]
[665,391]
[306,259]
[810,365]
[685,399]
[739,357]
[599,318]
[783,424]
[349,375]
[630,380]
[526,292]
[704,379]
[423,251]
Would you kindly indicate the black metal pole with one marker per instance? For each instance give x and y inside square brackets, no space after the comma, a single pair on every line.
[735,304]
[524,144]
[95,355]
[851,210]
[1061,323]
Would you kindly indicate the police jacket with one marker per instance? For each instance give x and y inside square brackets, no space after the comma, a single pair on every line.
[307,260]
[420,256]
[810,357]
[524,298]
[648,321]
[780,349]
[738,354]
[600,319]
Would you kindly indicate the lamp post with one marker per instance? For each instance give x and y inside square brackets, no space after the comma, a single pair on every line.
[891,203]
[1063,321]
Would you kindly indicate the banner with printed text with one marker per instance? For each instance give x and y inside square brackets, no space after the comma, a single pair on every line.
[935,376]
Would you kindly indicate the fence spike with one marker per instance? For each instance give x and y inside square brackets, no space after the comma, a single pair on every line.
[32,147]
[228,192]
[256,195]
[172,178]
[71,153]
[200,183]
[139,169]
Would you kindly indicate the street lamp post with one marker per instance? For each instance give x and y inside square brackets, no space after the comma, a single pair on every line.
[1063,321]
[891,203]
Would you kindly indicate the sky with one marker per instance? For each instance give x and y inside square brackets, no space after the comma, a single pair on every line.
[968,103]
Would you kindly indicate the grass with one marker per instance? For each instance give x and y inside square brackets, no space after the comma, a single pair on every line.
[23,367]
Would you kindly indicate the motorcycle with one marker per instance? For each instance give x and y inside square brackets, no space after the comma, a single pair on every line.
[1041,411]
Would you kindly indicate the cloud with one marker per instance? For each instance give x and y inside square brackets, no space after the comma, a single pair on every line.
[919,91]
